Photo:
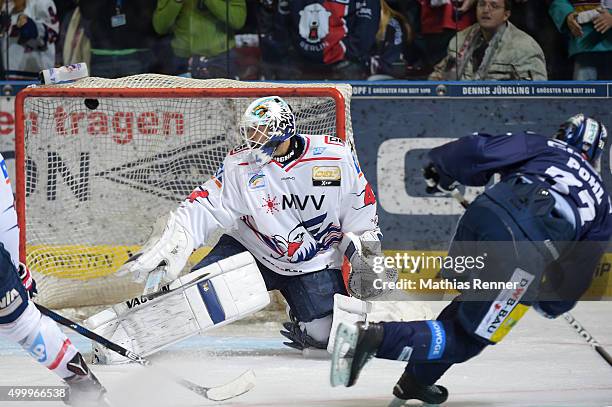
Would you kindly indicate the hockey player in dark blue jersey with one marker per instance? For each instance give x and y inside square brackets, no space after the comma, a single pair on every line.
[544,227]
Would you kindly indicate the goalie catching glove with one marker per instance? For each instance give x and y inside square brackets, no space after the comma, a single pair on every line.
[361,251]
[169,248]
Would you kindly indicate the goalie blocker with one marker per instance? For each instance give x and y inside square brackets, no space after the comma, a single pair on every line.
[213,296]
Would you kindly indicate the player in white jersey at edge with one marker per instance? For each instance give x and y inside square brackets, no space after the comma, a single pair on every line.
[22,322]
[289,199]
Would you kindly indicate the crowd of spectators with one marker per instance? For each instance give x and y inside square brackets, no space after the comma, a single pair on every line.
[312,39]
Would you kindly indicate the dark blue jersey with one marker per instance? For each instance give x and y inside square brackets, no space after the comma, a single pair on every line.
[472,160]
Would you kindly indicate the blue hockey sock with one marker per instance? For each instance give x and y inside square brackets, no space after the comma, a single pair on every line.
[416,340]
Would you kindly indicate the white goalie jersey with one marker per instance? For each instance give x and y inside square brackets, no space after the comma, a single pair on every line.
[290,216]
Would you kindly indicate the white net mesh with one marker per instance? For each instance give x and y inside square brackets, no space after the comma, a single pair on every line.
[101,168]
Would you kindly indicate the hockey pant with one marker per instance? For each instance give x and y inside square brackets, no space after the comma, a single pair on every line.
[21,322]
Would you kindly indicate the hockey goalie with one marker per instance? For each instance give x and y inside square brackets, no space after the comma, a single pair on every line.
[291,207]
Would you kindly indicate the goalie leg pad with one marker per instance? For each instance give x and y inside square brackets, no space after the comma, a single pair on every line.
[228,297]
[235,290]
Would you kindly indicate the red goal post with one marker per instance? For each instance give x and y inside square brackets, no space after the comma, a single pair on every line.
[91,178]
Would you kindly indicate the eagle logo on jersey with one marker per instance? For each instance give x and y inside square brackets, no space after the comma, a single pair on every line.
[303,242]
[307,239]
[299,246]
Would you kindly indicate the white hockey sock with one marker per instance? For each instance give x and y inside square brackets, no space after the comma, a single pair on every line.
[318,329]
[40,336]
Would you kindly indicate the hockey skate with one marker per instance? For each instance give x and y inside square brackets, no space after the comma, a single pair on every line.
[85,389]
[355,345]
[407,388]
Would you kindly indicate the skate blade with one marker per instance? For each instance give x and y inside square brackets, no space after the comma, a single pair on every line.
[346,340]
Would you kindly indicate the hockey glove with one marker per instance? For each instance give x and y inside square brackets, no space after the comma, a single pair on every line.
[27,280]
[361,280]
[170,250]
[438,183]
[364,282]
[552,309]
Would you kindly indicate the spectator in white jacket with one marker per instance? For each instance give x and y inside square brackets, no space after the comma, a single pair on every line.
[30,29]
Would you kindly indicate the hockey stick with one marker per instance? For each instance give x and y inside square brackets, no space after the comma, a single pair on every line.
[164,290]
[584,334]
[234,388]
[569,318]
[182,287]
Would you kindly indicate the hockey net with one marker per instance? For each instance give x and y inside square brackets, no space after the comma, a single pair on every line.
[100,160]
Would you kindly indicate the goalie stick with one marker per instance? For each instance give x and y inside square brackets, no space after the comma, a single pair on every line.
[234,388]
[153,284]
[569,318]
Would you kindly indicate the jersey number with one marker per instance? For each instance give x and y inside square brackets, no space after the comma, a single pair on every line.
[564,180]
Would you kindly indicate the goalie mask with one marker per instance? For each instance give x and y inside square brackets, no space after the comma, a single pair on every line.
[585,134]
[266,123]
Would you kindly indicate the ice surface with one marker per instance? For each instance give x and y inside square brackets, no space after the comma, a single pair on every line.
[541,363]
